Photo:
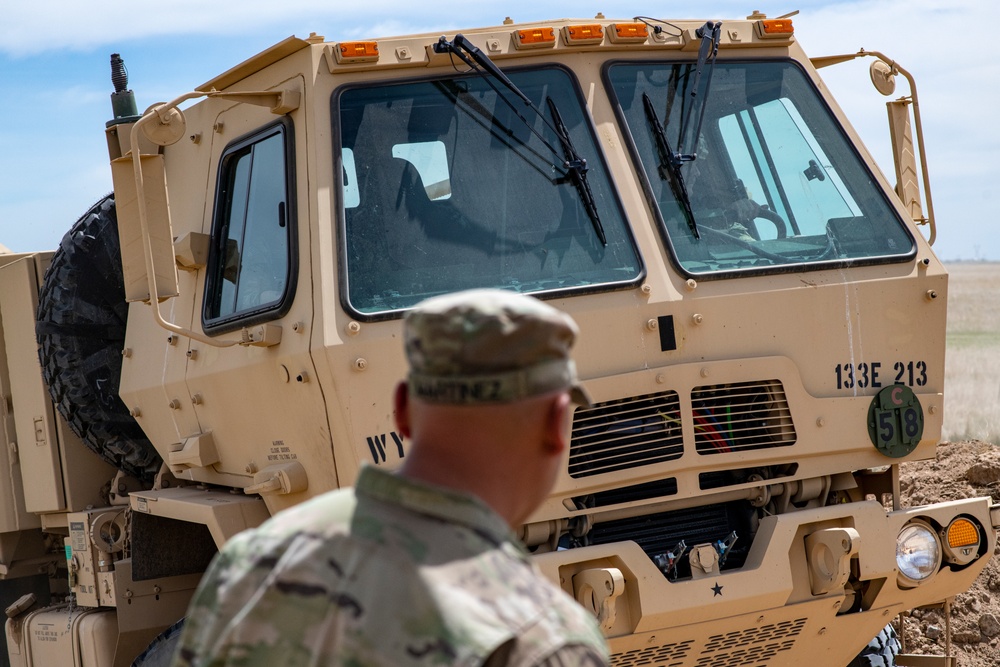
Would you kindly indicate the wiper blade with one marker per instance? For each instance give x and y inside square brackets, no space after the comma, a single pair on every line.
[670,165]
[575,166]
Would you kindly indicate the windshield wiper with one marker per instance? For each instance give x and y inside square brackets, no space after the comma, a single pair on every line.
[671,161]
[575,166]
[670,167]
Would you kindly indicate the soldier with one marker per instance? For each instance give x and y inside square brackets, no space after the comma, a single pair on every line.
[421,567]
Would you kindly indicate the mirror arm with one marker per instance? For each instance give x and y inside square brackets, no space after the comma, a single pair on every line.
[825,61]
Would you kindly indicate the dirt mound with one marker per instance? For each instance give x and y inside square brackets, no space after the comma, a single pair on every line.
[961,470]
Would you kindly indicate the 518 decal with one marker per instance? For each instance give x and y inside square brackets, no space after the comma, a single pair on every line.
[877,374]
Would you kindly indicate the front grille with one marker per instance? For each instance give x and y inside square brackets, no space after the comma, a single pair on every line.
[741,416]
[626,433]
[752,647]
[668,655]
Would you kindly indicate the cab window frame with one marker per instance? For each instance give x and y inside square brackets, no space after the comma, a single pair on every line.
[600,156]
[644,177]
[212,321]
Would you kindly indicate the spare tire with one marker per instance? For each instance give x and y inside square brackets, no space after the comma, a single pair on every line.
[80,326]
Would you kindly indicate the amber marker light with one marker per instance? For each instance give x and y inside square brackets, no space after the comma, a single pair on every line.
[777,26]
[534,38]
[961,541]
[584,34]
[357,52]
[629,32]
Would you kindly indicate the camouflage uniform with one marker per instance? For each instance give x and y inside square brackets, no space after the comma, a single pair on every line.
[396,573]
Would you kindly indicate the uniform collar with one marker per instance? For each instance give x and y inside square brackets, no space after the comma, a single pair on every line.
[434,501]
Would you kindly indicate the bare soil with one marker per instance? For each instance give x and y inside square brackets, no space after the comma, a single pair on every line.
[961,470]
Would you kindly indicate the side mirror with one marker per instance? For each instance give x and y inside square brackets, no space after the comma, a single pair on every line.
[883,78]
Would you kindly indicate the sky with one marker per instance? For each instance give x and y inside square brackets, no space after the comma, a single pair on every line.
[55,83]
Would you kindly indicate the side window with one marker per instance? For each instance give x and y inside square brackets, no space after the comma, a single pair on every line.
[250,266]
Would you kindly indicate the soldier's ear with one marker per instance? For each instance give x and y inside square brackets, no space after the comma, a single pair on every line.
[401,409]
[559,424]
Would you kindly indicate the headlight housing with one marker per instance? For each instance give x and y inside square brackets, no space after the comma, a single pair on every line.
[918,553]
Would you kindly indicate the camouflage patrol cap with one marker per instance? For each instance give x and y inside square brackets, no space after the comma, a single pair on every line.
[489,346]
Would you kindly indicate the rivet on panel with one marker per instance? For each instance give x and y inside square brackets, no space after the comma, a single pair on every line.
[661,378]
[931,295]
[402,53]
[651,324]
[195,138]
[697,318]
[175,404]
[822,631]
[360,364]
[171,339]
[135,412]
[251,467]
[127,352]
[691,284]
[704,372]
[353,328]
[197,399]
[218,127]
[302,377]
[646,289]
[298,327]
[932,409]
[192,354]
[820,422]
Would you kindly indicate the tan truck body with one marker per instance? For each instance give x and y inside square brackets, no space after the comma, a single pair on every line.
[251,416]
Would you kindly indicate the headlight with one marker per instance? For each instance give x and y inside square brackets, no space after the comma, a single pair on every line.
[918,552]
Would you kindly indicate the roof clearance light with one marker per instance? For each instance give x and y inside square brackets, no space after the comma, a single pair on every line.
[534,38]
[775,28]
[576,35]
[357,52]
[628,32]
[961,542]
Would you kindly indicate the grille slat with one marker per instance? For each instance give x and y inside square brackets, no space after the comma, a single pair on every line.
[741,416]
[627,433]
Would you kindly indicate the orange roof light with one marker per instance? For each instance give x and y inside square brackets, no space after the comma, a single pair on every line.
[629,32]
[357,52]
[534,38]
[775,28]
[592,33]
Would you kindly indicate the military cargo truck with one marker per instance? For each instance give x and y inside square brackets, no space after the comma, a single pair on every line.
[762,327]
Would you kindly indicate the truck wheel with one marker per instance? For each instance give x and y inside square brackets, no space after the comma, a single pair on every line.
[881,651]
[160,651]
[80,326]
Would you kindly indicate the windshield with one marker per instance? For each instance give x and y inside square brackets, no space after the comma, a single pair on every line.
[775,181]
[444,188]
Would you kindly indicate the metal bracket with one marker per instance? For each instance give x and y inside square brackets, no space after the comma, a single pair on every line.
[597,589]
